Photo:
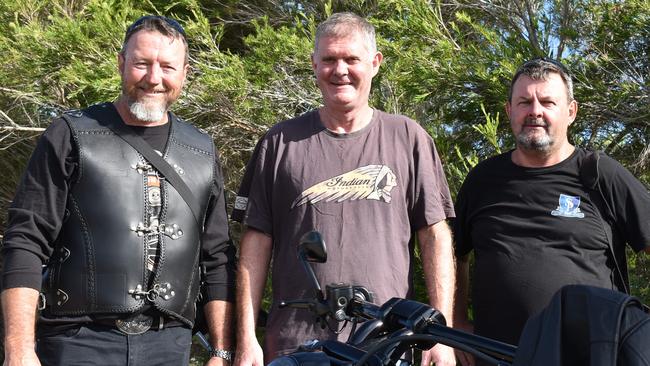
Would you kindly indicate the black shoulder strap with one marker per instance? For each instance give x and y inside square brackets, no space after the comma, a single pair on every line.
[590,178]
[167,171]
[589,169]
[161,165]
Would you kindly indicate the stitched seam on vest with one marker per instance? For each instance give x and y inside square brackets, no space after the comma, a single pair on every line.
[191,148]
[90,256]
[96,132]
[188,300]
[74,132]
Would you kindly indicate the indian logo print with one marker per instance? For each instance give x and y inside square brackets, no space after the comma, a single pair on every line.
[569,207]
[370,182]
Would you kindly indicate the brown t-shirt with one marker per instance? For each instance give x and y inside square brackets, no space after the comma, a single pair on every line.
[366,192]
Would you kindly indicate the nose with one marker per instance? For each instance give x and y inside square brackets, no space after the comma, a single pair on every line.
[535,109]
[154,75]
[341,68]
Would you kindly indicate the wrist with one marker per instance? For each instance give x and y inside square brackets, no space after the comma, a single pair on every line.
[246,335]
[20,346]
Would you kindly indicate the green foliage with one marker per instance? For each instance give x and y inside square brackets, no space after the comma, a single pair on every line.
[447,64]
[613,68]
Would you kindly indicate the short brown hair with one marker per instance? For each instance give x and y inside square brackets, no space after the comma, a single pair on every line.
[539,69]
[156,23]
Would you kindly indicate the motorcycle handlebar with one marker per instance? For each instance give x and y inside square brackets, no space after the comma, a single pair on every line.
[421,319]
[393,328]
[429,324]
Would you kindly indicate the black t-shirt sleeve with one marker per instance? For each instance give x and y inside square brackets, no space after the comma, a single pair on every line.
[629,200]
[218,254]
[37,211]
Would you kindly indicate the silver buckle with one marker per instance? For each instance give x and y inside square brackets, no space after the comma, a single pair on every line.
[134,325]
[41,301]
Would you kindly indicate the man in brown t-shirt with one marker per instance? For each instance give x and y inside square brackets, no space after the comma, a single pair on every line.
[365,179]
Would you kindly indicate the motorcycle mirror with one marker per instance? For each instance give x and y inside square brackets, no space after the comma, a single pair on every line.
[312,248]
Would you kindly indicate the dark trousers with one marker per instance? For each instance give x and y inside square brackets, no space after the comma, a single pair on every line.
[103,345]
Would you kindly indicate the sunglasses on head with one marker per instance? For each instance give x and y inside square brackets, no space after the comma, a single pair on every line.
[171,22]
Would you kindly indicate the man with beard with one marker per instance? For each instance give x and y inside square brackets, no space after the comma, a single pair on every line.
[121,243]
[531,220]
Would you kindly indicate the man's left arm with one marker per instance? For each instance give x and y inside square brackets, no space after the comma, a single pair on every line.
[436,252]
[219,319]
[629,199]
[218,258]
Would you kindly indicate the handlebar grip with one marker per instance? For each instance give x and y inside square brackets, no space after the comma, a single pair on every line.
[364,309]
[490,347]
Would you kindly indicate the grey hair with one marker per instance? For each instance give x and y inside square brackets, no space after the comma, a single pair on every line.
[342,25]
[540,69]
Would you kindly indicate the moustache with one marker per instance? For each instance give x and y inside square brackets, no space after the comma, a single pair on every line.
[151,88]
[541,122]
[155,90]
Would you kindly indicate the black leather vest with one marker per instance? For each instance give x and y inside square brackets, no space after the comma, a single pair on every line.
[99,264]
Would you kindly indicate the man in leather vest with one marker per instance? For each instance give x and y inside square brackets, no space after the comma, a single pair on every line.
[112,247]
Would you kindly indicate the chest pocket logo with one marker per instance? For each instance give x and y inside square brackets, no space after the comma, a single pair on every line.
[569,206]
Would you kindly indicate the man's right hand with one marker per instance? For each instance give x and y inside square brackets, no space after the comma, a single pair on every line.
[254,259]
[29,358]
[19,312]
[249,354]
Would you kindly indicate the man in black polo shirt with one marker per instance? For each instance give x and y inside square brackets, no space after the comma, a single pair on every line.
[531,219]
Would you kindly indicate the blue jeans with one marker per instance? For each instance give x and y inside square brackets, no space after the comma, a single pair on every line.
[103,345]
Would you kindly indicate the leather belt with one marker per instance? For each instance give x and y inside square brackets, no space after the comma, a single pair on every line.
[140,323]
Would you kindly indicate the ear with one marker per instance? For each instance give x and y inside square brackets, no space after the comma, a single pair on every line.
[573,111]
[508,107]
[376,62]
[120,63]
[313,62]
[186,70]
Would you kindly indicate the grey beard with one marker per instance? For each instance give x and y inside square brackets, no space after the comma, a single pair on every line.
[528,142]
[147,113]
